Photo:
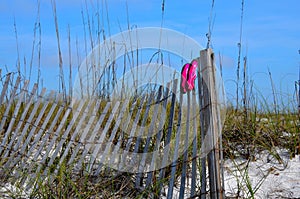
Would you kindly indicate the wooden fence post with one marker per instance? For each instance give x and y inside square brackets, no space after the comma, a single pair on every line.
[213,127]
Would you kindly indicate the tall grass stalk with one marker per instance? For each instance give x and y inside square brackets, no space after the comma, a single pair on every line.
[245,97]
[70,65]
[239,57]
[61,71]
[18,51]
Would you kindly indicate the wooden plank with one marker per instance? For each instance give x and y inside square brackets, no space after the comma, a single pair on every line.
[124,129]
[132,133]
[44,141]
[4,89]
[153,165]
[207,61]
[168,137]
[204,122]
[56,134]
[30,135]
[101,139]
[81,142]
[18,152]
[33,153]
[90,143]
[22,119]
[186,143]
[107,150]
[75,133]
[27,107]
[64,137]
[195,147]
[133,161]
[5,116]
[175,156]
[43,129]
[149,136]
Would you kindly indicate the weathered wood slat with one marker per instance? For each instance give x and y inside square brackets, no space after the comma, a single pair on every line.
[91,142]
[149,136]
[26,109]
[101,139]
[154,162]
[29,138]
[5,116]
[134,161]
[186,143]
[81,142]
[43,147]
[4,89]
[124,130]
[132,132]
[195,147]
[168,138]
[175,155]
[107,150]
[20,152]
[42,130]
[75,133]
[56,134]
[33,153]
[64,137]
[13,120]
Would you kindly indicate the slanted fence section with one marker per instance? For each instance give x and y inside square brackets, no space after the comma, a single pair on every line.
[40,134]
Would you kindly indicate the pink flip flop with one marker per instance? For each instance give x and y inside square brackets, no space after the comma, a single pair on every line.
[192,75]
[188,76]
[184,78]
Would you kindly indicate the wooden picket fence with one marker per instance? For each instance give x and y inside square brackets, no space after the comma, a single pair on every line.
[40,133]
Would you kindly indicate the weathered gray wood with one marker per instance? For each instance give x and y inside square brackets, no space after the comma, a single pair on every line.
[4,118]
[53,140]
[186,143]
[149,136]
[12,121]
[33,152]
[91,120]
[29,138]
[175,155]
[108,147]
[63,138]
[25,111]
[153,165]
[134,161]
[195,147]
[4,89]
[24,132]
[124,129]
[101,139]
[75,133]
[42,129]
[91,142]
[204,122]
[168,137]
[132,133]
[44,143]
[214,130]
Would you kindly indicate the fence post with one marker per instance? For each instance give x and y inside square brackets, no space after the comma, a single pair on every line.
[208,70]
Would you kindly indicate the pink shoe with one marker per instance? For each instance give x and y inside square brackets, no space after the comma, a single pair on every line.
[184,77]
[188,76]
[192,75]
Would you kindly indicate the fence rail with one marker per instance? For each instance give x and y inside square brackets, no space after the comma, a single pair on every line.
[40,133]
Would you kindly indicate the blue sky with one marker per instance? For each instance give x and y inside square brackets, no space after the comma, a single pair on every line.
[270,37]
